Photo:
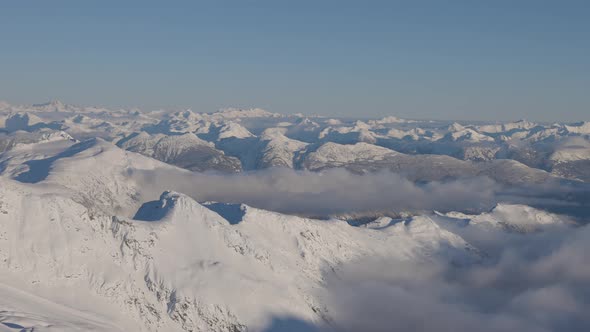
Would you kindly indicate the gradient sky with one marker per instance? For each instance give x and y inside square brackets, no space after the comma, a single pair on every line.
[487,60]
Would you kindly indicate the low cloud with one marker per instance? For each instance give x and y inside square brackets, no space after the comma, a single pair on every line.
[330,192]
[525,282]
[338,192]
[533,282]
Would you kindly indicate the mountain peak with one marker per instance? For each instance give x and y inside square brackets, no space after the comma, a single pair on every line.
[54,103]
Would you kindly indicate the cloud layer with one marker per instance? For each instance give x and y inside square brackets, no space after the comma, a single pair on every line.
[525,282]
[529,282]
[337,191]
[333,191]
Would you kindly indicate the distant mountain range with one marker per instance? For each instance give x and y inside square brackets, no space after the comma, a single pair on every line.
[87,244]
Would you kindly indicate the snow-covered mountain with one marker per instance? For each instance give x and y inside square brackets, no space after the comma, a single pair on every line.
[103,225]
[186,151]
[279,150]
[229,128]
[363,158]
[74,228]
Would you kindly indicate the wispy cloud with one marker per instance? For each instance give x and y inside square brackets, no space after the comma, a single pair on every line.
[331,192]
[538,282]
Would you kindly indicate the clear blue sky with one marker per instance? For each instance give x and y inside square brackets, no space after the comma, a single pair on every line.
[420,59]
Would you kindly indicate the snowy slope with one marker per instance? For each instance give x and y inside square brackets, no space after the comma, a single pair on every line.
[336,155]
[275,262]
[513,217]
[572,150]
[579,128]
[68,229]
[87,244]
[468,135]
[239,133]
[278,150]
[186,151]
[233,129]
[363,158]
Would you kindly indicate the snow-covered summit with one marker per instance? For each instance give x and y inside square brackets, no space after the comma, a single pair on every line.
[579,128]
[514,217]
[232,129]
[338,154]
[468,135]
[236,113]
[279,150]
[574,149]
[388,120]
[186,151]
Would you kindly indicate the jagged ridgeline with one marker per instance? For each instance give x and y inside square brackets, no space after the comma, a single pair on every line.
[246,220]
